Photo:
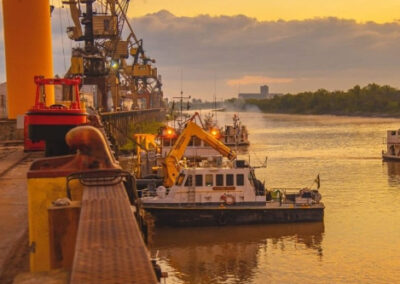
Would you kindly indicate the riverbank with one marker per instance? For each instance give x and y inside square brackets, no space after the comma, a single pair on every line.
[372,100]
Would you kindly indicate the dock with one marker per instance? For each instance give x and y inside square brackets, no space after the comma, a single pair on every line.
[14,164]
[96,239]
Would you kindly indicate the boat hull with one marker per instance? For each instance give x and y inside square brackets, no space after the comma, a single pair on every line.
[388,157]
[219,216]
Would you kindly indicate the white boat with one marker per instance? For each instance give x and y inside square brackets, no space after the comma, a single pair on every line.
[235,134]
[228,195]
[392,146]
[226,192]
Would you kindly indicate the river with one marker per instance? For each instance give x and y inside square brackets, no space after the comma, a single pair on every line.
[359,240]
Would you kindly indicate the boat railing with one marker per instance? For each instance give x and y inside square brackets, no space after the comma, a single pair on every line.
[289,195]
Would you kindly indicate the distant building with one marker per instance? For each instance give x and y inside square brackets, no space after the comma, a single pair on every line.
[263,94]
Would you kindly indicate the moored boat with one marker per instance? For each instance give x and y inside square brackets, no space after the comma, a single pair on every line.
[392,152]
[229,195]
[222,193]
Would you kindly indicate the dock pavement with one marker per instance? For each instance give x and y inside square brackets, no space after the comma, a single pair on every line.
[14,252]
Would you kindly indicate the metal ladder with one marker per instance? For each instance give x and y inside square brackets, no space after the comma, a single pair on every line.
[192,189]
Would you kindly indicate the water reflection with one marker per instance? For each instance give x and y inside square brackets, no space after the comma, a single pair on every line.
[228,254]
[393,169]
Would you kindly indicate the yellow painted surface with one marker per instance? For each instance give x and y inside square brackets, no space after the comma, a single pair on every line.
[41,192]
[28,51]
[76,65]
[141,70]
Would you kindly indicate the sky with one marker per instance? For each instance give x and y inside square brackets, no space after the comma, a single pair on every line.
[267,10]
[225,47]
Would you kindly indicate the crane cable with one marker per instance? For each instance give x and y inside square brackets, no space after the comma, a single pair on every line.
[69,25]
[62,35]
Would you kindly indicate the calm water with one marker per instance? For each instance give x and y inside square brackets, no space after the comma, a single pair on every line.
[359,241]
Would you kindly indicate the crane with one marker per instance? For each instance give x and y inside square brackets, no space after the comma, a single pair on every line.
[170,165]
[118,66]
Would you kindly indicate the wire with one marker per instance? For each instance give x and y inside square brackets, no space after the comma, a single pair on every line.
[69,25]
[62,36]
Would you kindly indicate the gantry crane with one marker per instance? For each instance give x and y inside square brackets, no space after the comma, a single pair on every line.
[117,66]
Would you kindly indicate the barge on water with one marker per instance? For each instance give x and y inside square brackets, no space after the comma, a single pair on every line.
[229,196]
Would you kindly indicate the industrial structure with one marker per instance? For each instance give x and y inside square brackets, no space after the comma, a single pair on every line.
[263,94]
[122,83]
[115,66]
[28,52]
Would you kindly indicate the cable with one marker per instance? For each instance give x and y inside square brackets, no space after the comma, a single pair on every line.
[62,37]
[69,25]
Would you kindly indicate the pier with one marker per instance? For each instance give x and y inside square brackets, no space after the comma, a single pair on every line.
[94,236]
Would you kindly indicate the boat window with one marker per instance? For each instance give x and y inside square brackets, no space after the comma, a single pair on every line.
[209,180]
[229,179]
[219,180]
[189,180]
[180,179]
[199,180]
[190,144]
[166,142]
[240,179]
[196,141]
[393,133]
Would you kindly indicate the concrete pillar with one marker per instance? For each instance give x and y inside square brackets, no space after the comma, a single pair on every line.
[27,42]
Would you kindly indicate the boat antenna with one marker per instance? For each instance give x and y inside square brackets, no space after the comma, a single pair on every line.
[181,99]
[215,96]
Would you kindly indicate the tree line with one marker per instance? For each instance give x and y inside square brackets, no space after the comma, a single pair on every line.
[372,99]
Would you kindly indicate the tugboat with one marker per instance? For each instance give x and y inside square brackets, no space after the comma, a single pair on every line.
[236,134]
[393,146]
[223,194]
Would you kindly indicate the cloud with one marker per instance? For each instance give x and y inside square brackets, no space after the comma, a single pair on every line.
[290,56]
[317,53]
[259,80]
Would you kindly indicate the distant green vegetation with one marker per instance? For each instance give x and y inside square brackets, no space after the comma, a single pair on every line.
[149,127]
[369,100]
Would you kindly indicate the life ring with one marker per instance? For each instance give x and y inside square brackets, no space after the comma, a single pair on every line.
[228,199]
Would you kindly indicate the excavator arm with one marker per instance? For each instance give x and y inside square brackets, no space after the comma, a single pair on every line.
[171,167]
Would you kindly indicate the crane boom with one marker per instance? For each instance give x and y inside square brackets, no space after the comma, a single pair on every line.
[171,167]
[75,32]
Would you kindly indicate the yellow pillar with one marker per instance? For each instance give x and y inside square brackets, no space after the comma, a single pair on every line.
[27,41]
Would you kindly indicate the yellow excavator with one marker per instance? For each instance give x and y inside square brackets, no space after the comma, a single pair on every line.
[171,166]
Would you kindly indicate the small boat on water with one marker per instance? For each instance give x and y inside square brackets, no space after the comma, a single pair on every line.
[235,134]
[392,152]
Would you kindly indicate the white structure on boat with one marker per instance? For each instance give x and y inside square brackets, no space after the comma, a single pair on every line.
[232,184]
[392,145]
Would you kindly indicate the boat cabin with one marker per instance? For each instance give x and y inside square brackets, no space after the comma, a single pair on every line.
[212,186]
[392,145]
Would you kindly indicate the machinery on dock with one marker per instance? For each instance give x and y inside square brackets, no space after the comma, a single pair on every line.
[112,59]
[46,126]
